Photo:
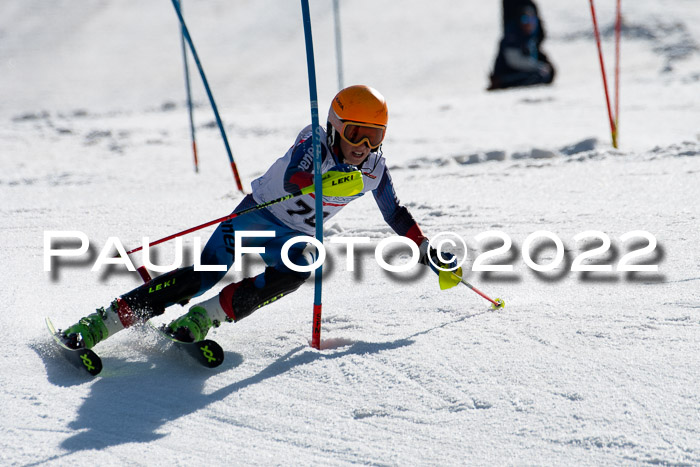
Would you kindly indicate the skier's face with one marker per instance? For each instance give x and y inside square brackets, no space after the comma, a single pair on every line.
[354,155]
[528,21]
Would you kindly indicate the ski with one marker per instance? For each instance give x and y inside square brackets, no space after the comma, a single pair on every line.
[207,352]
[85,359]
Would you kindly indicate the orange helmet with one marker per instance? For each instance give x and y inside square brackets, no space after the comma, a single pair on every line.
[358,114]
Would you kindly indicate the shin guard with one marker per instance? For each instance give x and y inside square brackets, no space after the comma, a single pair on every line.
[243,298]
[152,298]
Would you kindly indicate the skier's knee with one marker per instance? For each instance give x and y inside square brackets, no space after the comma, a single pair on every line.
[274,278]
[302,259]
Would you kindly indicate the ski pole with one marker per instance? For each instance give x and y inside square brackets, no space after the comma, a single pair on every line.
[449,279]
[334,183]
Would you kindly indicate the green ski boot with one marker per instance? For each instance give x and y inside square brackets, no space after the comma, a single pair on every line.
[93,328]
[86,333]
[192,326]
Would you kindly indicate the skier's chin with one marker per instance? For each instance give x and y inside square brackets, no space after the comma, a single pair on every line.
[353,159]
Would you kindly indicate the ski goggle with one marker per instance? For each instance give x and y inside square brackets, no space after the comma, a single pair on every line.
[357,133]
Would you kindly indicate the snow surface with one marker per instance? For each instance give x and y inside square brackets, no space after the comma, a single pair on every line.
[580,368]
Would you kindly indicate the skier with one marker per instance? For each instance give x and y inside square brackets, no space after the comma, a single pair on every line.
[356,126]
[520,60]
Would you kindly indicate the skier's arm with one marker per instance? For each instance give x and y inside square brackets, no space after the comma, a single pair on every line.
[400,219]
[397,216]
[299,172]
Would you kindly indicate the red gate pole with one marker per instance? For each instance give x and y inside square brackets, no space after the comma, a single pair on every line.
[618,34]
[613,129]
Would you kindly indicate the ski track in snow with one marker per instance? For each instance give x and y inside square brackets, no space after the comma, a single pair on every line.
[578,369]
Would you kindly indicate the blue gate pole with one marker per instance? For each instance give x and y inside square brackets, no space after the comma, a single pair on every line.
[316,142]
[186,34]
[189,93]
[338,44]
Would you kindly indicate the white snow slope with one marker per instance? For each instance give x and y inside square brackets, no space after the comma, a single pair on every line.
[580,368]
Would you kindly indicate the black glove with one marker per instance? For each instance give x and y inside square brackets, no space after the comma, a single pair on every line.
[428,253]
